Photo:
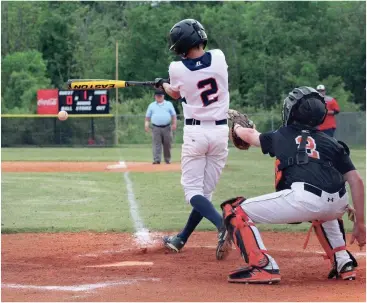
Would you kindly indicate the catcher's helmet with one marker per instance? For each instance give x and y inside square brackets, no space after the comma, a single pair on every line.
[304,105]
[186,34]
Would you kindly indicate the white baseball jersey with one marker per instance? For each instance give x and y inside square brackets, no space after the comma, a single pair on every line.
[203,82]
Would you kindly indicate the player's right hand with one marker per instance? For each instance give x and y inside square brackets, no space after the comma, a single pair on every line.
[359,234]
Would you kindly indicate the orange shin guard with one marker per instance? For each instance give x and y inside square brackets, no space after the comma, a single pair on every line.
[329,250]
[239,225]
[321,236]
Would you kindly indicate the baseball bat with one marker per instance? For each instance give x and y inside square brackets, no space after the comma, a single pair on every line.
[85,84]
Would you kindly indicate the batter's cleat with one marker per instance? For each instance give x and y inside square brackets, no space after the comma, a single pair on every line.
[347,272]
[173,243]
[224,244]
[254,275]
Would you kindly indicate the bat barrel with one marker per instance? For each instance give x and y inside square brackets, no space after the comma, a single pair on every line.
[85,84]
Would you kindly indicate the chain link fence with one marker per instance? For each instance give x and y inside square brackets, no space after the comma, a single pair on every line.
[351,128]
[100,131]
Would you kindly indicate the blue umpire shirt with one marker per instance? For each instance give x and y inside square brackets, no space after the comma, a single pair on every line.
[160,113]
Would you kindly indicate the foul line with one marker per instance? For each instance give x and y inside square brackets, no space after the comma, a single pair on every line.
[141,233]
[82,287]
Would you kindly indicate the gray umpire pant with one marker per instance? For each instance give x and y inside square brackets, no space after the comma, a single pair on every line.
[162,136]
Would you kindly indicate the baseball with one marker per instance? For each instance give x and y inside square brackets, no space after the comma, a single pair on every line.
[62,115]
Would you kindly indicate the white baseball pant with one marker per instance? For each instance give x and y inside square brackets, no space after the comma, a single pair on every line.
[204,155]
[298,205]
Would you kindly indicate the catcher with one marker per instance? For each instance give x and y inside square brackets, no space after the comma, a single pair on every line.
[310,175]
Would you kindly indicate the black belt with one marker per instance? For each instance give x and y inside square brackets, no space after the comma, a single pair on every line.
[197,122]
[317,191]
[161,125]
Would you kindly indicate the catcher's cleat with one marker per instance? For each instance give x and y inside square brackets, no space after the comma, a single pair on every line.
[224,244]
[173,243]
[347,272]
[254,275]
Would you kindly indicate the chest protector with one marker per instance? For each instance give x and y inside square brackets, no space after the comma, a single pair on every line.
[301,158]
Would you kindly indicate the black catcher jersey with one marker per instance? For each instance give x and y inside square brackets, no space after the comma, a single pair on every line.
[328,160]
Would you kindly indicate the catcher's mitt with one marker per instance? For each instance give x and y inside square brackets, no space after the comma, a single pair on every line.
[237,118]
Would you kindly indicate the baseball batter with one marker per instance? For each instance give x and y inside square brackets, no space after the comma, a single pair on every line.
[201,78]
[311,171]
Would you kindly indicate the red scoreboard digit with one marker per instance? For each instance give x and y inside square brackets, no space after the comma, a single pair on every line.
[84,101]
[69,100]
[103,99]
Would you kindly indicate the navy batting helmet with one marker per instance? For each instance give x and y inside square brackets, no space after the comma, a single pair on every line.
[186,34]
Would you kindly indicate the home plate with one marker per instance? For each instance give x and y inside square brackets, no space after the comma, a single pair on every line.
[124,263]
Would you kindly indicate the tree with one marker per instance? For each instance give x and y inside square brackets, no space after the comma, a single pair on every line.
[270,47]
[23,73]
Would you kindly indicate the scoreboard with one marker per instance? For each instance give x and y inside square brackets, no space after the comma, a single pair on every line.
[84,101]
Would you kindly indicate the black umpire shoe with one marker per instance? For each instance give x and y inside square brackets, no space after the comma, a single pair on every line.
[156,162]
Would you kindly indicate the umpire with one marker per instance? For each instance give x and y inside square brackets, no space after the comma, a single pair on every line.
[163,117]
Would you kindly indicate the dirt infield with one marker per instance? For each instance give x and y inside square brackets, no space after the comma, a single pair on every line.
[60,267]
[111,267]
[40,167]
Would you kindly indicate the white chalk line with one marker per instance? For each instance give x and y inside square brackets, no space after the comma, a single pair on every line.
[141,233]
[79,288]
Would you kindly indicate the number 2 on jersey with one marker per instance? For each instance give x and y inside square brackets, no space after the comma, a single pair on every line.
[212,89]
[310,147]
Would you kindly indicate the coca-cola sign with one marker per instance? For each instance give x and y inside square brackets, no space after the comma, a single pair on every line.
[47,101]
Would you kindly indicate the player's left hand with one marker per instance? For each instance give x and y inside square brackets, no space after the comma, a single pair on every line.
[359,234]
[158,83]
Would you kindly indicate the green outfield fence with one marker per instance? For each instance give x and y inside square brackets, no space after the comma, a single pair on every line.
[100,130]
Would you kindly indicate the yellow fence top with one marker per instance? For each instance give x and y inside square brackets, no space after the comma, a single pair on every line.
[55,116]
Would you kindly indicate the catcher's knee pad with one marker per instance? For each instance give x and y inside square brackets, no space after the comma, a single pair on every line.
[229,205]
[241,228]
[325,242]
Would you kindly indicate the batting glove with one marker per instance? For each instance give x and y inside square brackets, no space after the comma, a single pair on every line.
[159,82]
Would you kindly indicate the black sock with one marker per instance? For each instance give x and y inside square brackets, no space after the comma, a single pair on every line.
[193,221]
[207,210]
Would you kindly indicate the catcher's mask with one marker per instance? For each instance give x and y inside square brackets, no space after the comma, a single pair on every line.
[304,105]
[186,34]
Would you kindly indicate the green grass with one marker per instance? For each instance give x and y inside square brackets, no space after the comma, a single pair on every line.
[127,153]
[98,201]
[64,202]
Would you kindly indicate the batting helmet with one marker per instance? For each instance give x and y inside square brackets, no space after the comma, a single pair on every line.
[304,105]
[186,34]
